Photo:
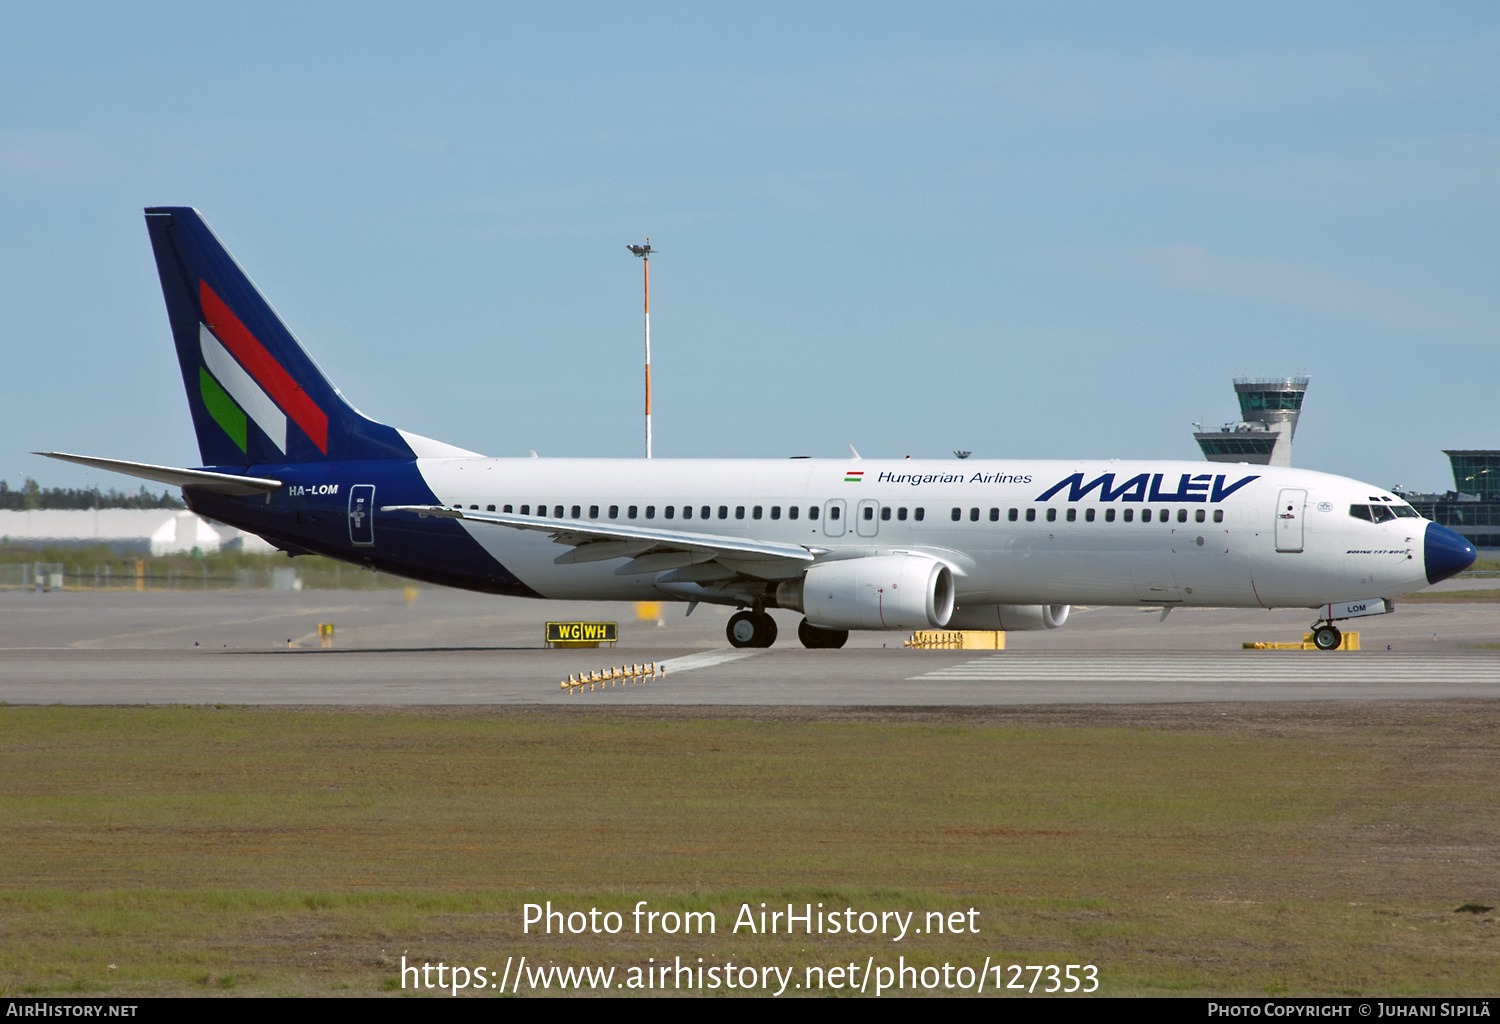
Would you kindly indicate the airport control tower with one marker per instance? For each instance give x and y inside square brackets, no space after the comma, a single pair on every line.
[1269,407]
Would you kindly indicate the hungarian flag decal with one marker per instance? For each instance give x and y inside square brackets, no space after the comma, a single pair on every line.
[250,380]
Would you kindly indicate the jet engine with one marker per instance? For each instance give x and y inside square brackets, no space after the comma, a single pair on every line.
[876,592]
[1010,617]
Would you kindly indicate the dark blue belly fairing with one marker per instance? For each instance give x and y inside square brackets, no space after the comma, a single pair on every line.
[311,514]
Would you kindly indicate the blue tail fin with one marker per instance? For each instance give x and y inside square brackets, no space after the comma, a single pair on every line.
[257,398]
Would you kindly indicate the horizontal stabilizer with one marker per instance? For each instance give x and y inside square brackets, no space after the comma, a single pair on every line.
[215,483]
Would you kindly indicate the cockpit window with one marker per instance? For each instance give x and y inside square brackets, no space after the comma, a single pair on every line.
[1378,513]
[1405,512]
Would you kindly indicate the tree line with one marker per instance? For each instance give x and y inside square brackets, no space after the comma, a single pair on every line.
[32,495]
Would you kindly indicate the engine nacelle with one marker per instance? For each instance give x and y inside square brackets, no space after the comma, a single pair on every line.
[876,592]
[1010,617]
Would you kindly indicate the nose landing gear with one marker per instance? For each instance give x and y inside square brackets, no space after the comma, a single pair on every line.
[1326,636]
[751,629]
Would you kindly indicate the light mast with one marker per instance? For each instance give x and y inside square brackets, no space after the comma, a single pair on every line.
[645,253]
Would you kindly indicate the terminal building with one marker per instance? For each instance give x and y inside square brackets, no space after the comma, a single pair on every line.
[1472,508]
[1269,407]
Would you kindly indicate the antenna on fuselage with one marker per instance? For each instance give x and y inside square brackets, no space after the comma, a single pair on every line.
[645,252]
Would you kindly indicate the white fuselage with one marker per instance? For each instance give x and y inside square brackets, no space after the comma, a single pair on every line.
[1196,534]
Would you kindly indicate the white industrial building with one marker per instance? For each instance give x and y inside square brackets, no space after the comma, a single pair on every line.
[153,531]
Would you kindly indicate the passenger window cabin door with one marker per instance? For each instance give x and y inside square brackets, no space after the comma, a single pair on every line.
[833,517]
[1290,508]
[867,518]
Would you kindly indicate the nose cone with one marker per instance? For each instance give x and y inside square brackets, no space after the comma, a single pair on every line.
[1446,553]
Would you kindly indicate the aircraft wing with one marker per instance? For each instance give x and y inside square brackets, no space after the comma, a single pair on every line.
[650,550]
[217,483]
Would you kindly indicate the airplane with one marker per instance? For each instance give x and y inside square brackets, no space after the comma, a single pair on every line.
[856,544]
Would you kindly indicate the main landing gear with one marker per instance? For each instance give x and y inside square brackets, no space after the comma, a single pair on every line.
[751,629]
[757,629]
[816,637]
[1326,636]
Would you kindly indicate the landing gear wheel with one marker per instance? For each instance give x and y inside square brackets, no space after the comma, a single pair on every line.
[1327,638]
[816,637]
[767,626]
[751,629]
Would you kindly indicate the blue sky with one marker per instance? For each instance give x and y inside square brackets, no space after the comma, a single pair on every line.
[1047,231]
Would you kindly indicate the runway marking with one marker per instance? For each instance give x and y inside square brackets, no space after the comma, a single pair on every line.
[706,660]
[1252,667]
[297,611]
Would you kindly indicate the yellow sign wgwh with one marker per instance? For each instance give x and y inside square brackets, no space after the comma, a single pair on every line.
[581,632]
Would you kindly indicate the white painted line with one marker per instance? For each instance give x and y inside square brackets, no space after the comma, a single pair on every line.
[1254,667]
[706,660]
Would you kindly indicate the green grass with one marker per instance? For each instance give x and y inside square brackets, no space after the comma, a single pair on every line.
[1298,849]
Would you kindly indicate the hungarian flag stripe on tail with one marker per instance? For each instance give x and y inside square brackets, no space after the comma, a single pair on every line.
[279,384]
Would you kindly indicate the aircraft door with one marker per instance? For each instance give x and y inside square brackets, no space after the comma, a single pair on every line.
[867,518]
[362,515]
[833,517]
[1289,512]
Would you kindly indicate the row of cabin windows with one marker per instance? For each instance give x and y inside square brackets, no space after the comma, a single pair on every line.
[793,511]
[1128,515]
[704,511]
